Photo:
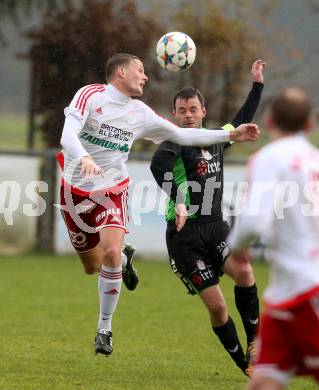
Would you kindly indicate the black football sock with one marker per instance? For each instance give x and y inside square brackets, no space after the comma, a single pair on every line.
[227,335]
[247,304]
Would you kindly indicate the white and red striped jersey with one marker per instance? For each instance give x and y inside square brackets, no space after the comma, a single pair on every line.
[282,208]
[103,123]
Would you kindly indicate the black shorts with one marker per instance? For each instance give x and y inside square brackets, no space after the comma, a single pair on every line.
[197,253]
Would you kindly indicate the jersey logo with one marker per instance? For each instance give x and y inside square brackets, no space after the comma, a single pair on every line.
[233,350]
[200,265]
[202,168]
[115,219]
[77,239]
[85,206]
[206,154]
[173,265]
[197,280]
[99,110]
[113,291]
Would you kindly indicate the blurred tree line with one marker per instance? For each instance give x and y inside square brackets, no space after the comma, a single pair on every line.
[70,47]
[15,10]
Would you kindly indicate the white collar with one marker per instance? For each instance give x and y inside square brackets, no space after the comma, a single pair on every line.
[117,93]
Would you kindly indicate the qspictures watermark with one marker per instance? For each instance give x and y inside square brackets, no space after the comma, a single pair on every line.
[11,193]
[146,198]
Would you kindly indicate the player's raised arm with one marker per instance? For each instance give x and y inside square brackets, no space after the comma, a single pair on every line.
[257,71]
[249,108]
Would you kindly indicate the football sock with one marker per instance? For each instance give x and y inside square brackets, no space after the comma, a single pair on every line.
[227,335]
[247,304]
[109,284]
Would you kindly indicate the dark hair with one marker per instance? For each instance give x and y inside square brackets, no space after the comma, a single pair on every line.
[119,59]
[290,110]
[188,93]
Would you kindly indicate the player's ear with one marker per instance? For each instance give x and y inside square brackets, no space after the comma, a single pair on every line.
[174,112]
[121,71]
[204,111]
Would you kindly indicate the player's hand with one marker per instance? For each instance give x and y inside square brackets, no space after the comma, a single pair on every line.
[181,216]
[245,132]
[257,71]
[89,168]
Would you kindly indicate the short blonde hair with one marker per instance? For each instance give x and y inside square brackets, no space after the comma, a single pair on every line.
[119,59]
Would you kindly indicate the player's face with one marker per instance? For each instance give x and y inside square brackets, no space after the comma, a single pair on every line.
[135,78]
[189,113]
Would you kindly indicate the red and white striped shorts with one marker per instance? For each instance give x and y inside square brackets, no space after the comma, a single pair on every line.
[86,215]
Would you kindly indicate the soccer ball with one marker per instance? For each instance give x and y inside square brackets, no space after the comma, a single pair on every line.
[176,51]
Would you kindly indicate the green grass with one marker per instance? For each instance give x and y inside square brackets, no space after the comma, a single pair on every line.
[162,337]
[14,133]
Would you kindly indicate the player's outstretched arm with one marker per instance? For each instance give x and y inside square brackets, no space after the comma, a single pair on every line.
[245,132]
[204,137]
[158,130]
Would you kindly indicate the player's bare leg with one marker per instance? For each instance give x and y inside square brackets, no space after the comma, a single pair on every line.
[92,263]
[92,260]
[264,383]
[214,301]
[241,273]
[222,324]
[246,298]
[109,283]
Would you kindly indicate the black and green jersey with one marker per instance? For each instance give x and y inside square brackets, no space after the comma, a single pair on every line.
[198,175]
[197,178]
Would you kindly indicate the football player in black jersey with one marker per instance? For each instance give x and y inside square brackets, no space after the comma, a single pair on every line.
[196,232]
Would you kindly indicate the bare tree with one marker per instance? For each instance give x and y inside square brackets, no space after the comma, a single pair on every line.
[71,48]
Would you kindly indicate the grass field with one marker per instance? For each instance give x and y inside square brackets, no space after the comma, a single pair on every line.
[14,132]
[162,339]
